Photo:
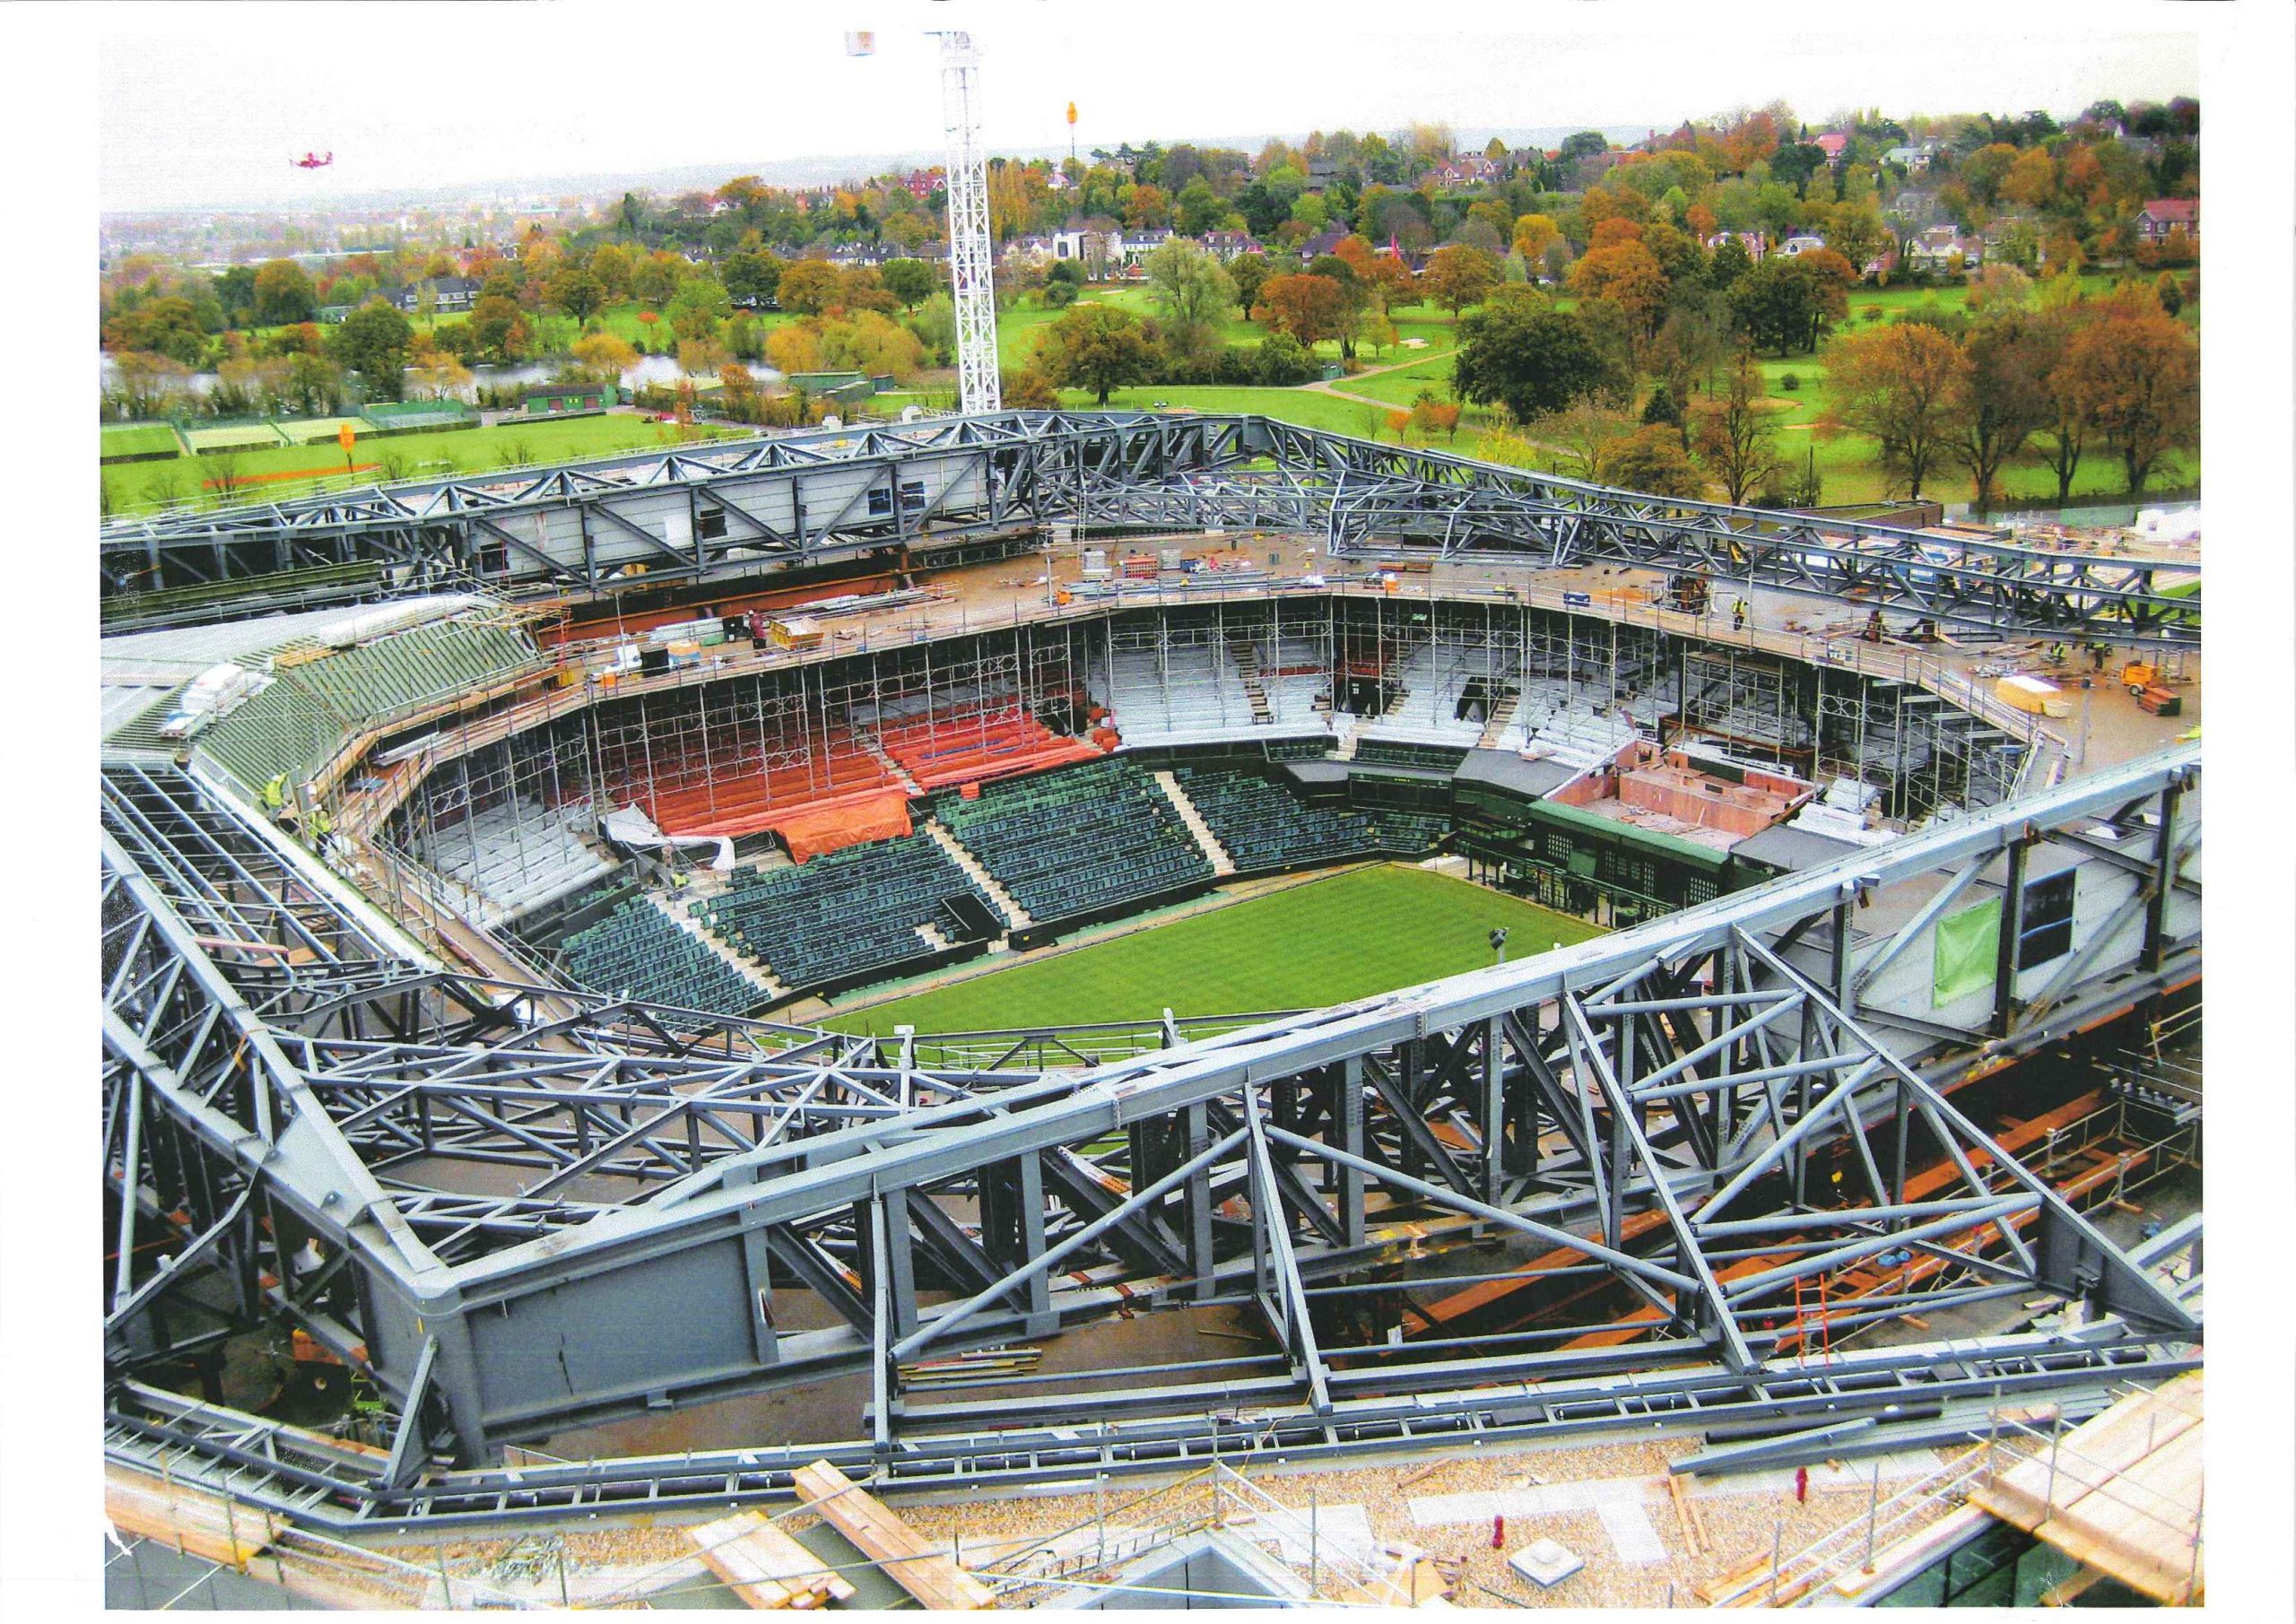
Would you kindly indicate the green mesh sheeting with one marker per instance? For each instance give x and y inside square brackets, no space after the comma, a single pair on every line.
[293,724]
[1969,945]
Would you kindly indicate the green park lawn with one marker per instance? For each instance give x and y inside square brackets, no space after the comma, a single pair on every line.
[1352,934]
[132,486]
[1309,408]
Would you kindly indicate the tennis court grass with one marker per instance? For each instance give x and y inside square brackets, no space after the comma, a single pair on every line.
[234,437]
[1366,931]
[141,439]
[311,430]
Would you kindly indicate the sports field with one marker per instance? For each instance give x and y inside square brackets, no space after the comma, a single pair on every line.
[1355,934]
[141,439]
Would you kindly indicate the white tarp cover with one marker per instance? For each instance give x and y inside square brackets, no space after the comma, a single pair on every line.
[631,827]
[213,695]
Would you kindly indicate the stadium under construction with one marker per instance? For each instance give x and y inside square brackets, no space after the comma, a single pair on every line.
[490,866]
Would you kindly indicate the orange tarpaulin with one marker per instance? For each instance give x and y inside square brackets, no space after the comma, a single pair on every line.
[828,828]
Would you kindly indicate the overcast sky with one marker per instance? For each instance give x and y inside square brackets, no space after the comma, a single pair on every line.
[204,105]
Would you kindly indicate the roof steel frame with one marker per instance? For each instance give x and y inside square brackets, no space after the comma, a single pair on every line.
[1695,1068]
[1011,472]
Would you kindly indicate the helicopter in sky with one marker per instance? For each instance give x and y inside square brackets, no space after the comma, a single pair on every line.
[313,160]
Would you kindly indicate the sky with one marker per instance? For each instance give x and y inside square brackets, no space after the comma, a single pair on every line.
[204,105]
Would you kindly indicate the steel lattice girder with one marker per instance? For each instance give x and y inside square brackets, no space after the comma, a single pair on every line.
[1320,1126]
[792,497]
[309,1478]
[802,498]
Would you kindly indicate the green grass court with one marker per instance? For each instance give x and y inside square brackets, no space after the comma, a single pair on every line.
[238,437]
[1352,934]
[140,439]
[310,431]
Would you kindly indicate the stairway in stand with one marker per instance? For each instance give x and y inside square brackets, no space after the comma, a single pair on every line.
[1350,733]
[901,774]
[681,912]
[1502,714]
[1247,665]
[1014,913]
[1222,865]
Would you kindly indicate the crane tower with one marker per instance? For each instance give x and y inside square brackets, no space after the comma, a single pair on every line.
[978,388]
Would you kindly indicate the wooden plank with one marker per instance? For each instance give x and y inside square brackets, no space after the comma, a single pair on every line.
[1427,1583]
[911,1560]
[1683,1515]
[182,1518]
[2126,1493]
[765,1566]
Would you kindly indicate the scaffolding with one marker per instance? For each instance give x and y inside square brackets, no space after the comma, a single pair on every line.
[1928,755]
[512,825]
[1754,705]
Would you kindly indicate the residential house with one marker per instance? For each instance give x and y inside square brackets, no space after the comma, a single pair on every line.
[1465,168]
[1225,246]
[1096,249]
[1325,241]
[1037,250]
[2163,215]
[1794,247]
[921,184]
[1935,249]
[1834,144]
[1134,245]
[1913,209]
[1912,160]
[449,294]
[1321,173]
[1751,241]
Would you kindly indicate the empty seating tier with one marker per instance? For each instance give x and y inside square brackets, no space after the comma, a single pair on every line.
[835,919]
[965,747]
[1396,752]
[1263,825]
[1081,841]
[1407,831]
[1298,749]
[743,803]
[639,952]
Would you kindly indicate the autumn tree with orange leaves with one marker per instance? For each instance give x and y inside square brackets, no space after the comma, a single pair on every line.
[1903,386]
[2136,375]
[1460,276]
[1629,275]
[1310,308]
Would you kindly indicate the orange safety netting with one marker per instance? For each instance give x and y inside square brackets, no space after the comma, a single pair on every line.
[832,828]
